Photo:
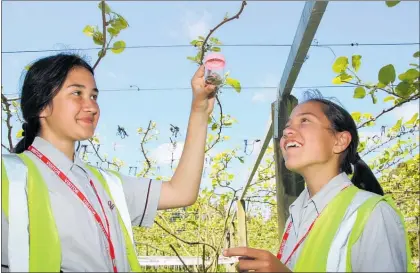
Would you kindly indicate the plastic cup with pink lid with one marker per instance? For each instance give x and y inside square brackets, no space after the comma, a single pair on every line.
[214,64]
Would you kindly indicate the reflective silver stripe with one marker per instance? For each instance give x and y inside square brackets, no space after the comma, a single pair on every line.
[18,245]
[117,191]
[337,255]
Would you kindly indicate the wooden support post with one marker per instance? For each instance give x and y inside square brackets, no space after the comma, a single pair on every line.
[242,231]
[280,192]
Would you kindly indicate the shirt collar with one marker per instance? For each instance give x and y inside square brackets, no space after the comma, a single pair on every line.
[324,196]
[57,157]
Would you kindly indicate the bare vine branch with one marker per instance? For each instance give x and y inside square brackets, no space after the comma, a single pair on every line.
[179,257]
[99,157]
[203,51]
[104,36]
[400,134]
[6,105]
[220,126]
[394,162]
[236,16]
[417,96]
[4,146]
[182,240]
[153,247]
[143,141]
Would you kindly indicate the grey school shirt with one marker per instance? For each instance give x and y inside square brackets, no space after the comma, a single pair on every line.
[380,248]
[84,245]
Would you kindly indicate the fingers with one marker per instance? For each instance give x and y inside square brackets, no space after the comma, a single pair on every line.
[245,251]
[210,89]
[251,265]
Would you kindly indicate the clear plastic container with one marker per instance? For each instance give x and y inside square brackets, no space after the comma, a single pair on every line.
[214,64]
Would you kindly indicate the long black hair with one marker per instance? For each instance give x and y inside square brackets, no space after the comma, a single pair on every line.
[342,121]
[42,81]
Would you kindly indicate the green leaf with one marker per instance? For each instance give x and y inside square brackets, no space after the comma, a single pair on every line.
[234,83]
[98,38]
[415,65]
[28,67]
[409,75]
[374,98]
[119,23]
[209,120]
[198,56]
[214,126]
[397,126]
[118,47]
[194,42]
[356,62]
[113,31]
[370,123]
[387,74]
[359,93]
[191,58]
[215,49]
[201,38]
[389,98]
[361,147]
[215,41]
[356,116]
[367,116]
[107,8]
[241,159]
[413,119]
[123,22]
[100,53]
[340,64]
[417,54]
[391,3]
[228,122]
[192,223]
[380,85]
[342,78]
[89,30]
[403,89]
[19,134]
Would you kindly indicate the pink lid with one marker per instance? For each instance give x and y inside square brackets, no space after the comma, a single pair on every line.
[214,60]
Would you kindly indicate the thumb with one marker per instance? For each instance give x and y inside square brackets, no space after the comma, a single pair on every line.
[200,72]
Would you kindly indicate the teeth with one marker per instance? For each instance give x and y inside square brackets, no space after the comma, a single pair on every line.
[293,144]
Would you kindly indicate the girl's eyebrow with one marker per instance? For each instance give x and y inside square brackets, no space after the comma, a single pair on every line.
[82,86]
[308,113]
[303,114]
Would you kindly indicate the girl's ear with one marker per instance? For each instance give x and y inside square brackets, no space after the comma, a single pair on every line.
[47,111]
[343,140]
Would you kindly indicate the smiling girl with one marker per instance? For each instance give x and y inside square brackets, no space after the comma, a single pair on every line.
[336,224]
[60,214]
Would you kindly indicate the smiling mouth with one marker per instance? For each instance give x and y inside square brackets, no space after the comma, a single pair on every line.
[89,121]
[291,145]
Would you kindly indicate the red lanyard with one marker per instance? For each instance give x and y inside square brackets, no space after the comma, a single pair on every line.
[83,198]
[286,236]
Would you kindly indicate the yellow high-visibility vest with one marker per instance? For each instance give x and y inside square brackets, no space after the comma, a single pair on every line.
[38,248]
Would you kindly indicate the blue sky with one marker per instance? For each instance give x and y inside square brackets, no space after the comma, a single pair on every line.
[59,25]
